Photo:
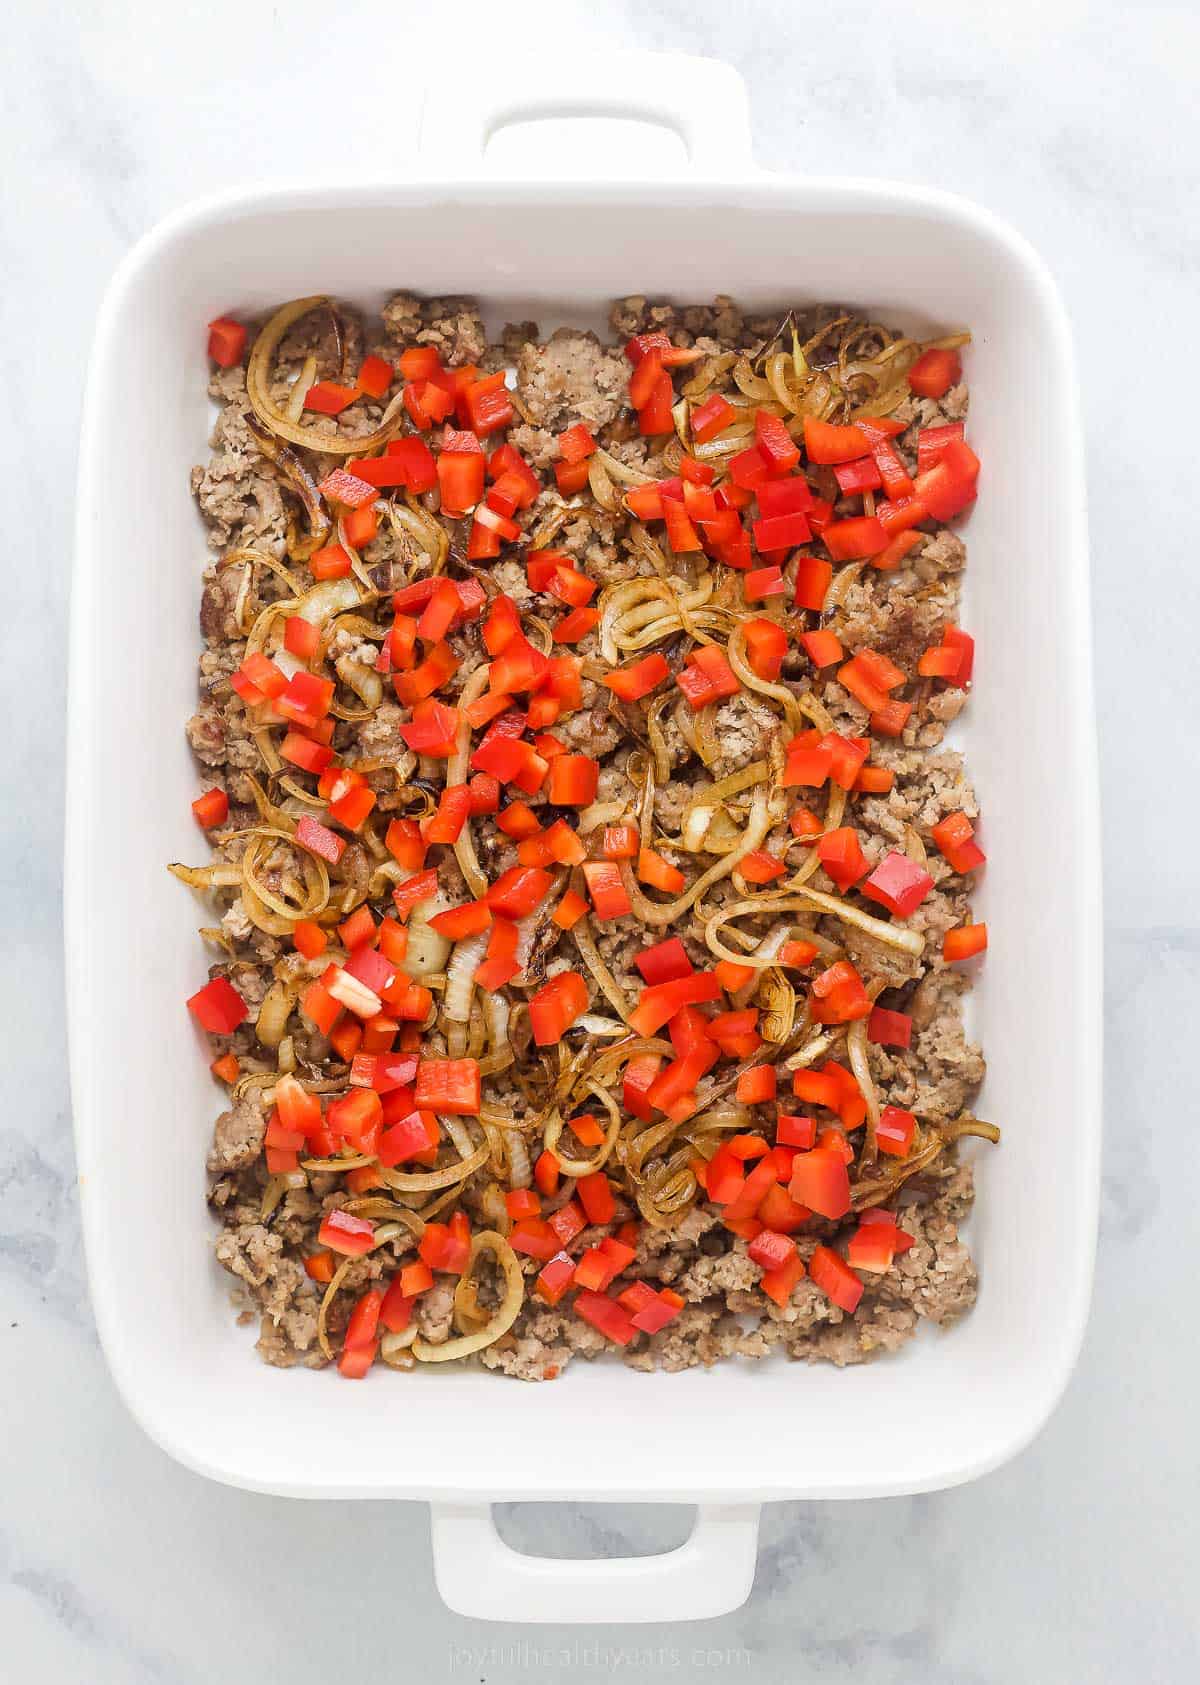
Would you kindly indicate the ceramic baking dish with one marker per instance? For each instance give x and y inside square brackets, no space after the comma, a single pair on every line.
[949,1407]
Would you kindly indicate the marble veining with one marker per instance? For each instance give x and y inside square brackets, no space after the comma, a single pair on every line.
[1077,121]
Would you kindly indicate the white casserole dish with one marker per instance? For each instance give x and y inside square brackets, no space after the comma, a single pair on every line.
[948,1408]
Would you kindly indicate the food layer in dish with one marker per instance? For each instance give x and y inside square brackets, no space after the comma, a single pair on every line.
[591,876]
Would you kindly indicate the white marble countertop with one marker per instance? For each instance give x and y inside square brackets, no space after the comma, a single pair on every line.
[1078,122]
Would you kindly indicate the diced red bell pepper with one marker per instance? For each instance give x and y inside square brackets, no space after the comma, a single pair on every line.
[432,730]
[777,1284]
[818,1088]
[484,792]
[651,1313]
[556,1006]
[771,1250]
[226,341]
[931,441]
[842,857]
[264,675]
[652,869]
[814,575]
[889,1029]
[453,810]
[953,836]
[329,397]
[416,1278]
[218,1007]
[517,667]
[488,404]
[766,646]
[606,1315]
[300,637]
[573,780]
[898,547]
[576,625]
[760,583]
[639,1077]
[555,1277]
[828,443]
[570,910]
[609,899]
[317,839]
[963,942]
[808,764]
[340,486]
[448,1085]
[835,1278]
[846,757]
[395,1312]
[360,526]
[306,700]
[711,417]
[781,532]
[458,922]
[792,1130]
[596,1196]
[447,1246]
[891,718]
[420,362]
[355,1361]
[858,476]
[364,1320]
[638,679]
[660,1002]
[757,1085]
[430,675]
[855,539]
[587,1130]
[934,373]
[518,891]
[838,995]
[460,479]
[776,445]
[619,842]
[342,1232]
[819,1181]
[409,1136]
[576,444]
[520,821]
[654,416]
[898,884]
[422,886]
[707,676]
[894,1131]
[760,866]
[545,1174]
[406,844]
[789,496]
[319,1266]
[500,965]
[212,808]
[749,469]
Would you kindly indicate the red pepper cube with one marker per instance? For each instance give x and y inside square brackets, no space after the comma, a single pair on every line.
[226,341]
[898,883]
[835,1278]
[218,1007]
[351,1236]
[554,1277]
[895,1130]
[596,1197]
[819,1181]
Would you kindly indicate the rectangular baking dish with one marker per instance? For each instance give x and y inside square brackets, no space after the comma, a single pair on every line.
[947,1409]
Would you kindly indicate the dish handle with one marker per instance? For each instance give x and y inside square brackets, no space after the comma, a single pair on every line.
[709,1574]
[701,100]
